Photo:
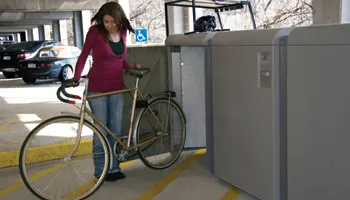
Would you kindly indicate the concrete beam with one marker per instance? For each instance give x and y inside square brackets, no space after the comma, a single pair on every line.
[24,27]
[51,5]
[14,30]
[25,22]
[33,16]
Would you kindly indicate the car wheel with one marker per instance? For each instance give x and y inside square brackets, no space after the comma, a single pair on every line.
[29,80]
[9,74]
[66,73]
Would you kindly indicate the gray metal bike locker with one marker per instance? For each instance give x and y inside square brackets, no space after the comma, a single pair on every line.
[248,123]
[319,113]
[189,77]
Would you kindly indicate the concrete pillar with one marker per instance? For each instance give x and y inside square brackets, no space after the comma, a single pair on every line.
[63,32]
[41,32]
[78,29]
[327,11]
[15,37]
[30,34]
[19,39]
[86,17]
[56,30]
[125,4]
[345,11]
[35,34]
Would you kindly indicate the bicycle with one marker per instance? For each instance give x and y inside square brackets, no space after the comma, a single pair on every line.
[147,106]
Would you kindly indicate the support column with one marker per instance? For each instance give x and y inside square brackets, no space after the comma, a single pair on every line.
[78,29]
[15,37]
[19,37]
[86,17]
[125,4]
[326,11]
[41,32]
[56,30]
[345,12]
[30,34]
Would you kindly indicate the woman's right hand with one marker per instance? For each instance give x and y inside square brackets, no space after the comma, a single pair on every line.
[137,66]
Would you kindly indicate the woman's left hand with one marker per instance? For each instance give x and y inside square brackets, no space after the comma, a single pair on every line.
[138,66]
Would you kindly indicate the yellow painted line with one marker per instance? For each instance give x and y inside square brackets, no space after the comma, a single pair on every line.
[33,178]
[11,158]
[158,187]
[12,128]
[81,190]
[12,142]
[13,120]
[231,194]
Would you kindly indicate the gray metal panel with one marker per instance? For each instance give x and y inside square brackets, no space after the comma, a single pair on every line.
[209,109]
[242,112]
[193,94]
[245,113]
[245,38]
[186,40]
[335,34]
[175,76]
[319,113]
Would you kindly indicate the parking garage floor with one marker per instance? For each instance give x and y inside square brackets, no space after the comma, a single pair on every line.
[24,106]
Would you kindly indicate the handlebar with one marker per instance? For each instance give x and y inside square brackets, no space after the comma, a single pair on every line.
[62,89]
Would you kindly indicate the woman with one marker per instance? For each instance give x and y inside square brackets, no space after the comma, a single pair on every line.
[106,38]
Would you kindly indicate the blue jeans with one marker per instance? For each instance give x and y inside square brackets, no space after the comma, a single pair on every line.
[109,110]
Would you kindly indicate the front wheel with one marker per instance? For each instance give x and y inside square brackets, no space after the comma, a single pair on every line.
[57,163]
[163,122]
[29,80]
[9,74]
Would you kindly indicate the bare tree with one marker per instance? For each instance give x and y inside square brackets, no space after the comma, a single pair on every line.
[149,14]
[269,14]
[282,13]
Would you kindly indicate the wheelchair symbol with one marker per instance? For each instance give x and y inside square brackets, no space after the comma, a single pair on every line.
[141,35]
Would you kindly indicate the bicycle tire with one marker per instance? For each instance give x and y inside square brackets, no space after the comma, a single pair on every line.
[47,122]
[141,156]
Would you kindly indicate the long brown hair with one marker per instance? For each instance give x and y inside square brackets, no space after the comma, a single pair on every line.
[113,9]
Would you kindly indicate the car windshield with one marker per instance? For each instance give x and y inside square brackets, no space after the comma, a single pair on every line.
[47,53]
[25,45]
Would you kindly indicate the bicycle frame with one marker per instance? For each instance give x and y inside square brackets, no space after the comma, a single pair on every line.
[84,110]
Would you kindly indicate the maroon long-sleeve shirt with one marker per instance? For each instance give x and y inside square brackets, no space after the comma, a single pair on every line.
[106,73]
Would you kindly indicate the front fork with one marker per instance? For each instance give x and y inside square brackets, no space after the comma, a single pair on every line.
[81,123]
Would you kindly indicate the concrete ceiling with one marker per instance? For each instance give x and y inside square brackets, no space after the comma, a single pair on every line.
[34,16]
[19,15]
[50,5]
[26,22]
[12,30]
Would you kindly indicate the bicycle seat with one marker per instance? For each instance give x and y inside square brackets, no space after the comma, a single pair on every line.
[139,73]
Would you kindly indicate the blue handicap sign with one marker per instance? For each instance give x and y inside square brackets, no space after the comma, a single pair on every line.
[141,35]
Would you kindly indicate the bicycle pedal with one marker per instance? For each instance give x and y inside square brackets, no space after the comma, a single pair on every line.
[123,156]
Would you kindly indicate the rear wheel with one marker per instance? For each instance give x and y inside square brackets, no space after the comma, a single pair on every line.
[169,134]
[9,74]
[66,73]
[29,80]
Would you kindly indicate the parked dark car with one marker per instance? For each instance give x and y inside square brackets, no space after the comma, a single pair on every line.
[56,62]
[11,55]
